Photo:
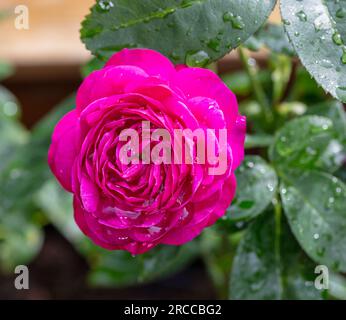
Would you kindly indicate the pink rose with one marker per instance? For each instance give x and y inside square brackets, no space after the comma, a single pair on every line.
[137,206]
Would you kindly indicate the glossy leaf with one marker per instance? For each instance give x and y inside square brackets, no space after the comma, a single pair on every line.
[333,110]
[309,142]
[314,203]
[270,265]
[337,286]
[188,31]
[316,26]
[256,270]
[298,271]
[257,183]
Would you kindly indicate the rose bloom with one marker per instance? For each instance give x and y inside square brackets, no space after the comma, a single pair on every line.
[135,207]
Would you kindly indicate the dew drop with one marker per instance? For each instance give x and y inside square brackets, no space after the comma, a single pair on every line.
[235,20]
[105,5]
[301,15]
[337,38]
[197,59]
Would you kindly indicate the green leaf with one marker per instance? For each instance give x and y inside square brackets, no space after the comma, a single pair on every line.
[322,32]
[297,270]
[273,37]
[256,270]
[28,170]
[257,183]
[337,286]
[309,142]
[341,174]
[195,32]
[270,265]
[333,110]
[56,204]
[314,203]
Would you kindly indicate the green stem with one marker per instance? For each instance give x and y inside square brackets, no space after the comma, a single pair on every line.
[256,86]
[278,223]
[278,214]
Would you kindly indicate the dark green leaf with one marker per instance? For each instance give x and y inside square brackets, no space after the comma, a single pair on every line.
[256,269]
[341,174]
[195,32]
[257,183]
[317,36]
[298,271]
[314,203]
[309,142]
[337,286]
[269,264]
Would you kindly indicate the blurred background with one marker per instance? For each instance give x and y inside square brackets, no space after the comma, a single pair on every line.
[40,67]
[47,57]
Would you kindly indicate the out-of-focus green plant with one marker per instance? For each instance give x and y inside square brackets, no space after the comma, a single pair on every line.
[289,212]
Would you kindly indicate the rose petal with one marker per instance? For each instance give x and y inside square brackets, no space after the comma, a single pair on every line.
[196,82]
[107,82]
[64,149]
[152,62]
